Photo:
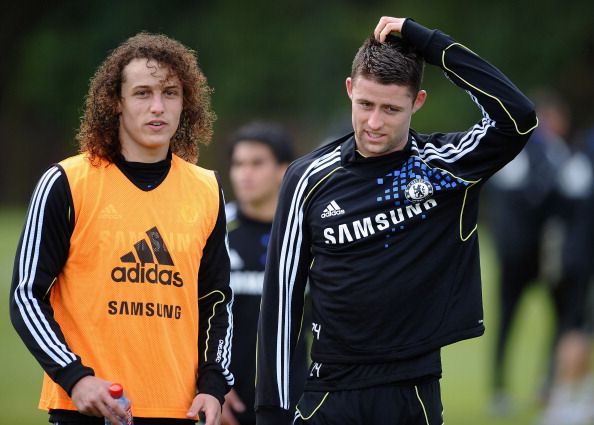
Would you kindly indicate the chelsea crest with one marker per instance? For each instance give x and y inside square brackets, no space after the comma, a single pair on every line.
[418,190]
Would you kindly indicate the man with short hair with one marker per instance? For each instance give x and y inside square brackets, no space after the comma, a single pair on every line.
[260,153]
[122,272]
[382,224]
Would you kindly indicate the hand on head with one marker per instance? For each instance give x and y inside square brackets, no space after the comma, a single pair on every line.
[386,25]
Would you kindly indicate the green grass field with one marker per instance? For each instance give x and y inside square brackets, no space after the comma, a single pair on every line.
[465,385]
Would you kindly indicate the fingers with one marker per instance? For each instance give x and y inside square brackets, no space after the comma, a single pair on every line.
[115,409]
[111,415]
[209,406]
[196,407]
[232,404]
[227,416]
[101,407]
[212,416]
[379,27]
[234,401]
[386,25]
[91,397]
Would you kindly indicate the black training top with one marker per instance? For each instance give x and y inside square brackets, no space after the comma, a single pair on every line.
[388,244]
[248,244]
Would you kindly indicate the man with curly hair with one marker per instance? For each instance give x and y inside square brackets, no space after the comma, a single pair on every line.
[121,272]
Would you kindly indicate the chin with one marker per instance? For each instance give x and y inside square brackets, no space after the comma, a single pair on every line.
[375,150]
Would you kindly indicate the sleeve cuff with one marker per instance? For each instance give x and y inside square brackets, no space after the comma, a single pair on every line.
[429,42]
[71,374]
[213,383]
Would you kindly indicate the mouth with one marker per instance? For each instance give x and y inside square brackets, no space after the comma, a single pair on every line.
[156,124]
[373,136]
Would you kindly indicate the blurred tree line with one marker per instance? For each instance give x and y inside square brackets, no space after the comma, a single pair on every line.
[282,60]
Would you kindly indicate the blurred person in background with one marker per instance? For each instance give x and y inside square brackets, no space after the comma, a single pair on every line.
[540,217]
[382,223]
[523,201]
[122,271]
[571,399]
[260,153]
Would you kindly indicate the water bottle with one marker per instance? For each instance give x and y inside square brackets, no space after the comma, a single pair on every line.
[117,392]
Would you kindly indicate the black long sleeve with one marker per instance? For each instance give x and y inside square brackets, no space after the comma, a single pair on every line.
[508,116]
[41,254]
[215,301]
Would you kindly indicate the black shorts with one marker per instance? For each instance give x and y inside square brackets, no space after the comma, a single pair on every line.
[384,405]
[68,417]
[92,420]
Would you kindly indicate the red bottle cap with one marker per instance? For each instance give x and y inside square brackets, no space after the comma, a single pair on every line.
[116,390]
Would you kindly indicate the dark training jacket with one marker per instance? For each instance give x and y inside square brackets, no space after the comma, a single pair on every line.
[388,244]
[248,243]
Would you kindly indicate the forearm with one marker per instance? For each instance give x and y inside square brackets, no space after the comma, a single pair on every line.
[41,254]
[503,102]
[215,300]
[214,344]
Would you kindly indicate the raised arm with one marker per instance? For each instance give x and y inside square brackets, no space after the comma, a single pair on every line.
[508,116]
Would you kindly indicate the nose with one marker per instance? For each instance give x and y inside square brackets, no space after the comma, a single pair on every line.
[244,172]
[157,106]
[375,120]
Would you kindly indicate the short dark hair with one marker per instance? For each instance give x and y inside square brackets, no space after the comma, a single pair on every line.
[270,134]
[394,61]
[98,132]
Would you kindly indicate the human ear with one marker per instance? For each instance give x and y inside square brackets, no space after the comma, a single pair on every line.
[419,100]
[349,87]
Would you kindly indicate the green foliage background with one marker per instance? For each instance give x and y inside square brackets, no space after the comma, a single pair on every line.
[284,60]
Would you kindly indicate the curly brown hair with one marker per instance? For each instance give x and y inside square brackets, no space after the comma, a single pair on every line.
[99,126]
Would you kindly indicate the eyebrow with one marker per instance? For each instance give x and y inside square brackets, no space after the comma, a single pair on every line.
[148,86]
[173,86]
[391,105]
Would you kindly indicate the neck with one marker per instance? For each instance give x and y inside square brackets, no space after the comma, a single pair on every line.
[134,154]
[147,159]
[259,211]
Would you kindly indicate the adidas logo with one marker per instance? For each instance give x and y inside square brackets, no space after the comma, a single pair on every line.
[155,254]
[109,212]
[331,210]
